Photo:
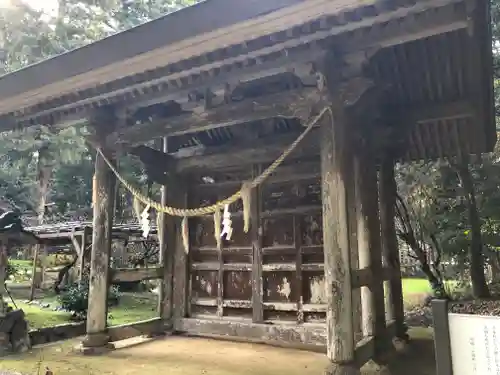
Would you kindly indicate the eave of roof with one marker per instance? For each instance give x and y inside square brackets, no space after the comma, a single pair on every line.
[133,47]
[79,71]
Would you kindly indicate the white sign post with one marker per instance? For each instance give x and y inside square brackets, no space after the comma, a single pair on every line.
[475,344]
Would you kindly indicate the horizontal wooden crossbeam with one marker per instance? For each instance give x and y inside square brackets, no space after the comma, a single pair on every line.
[241,153]
[307,337]
[135,274]
[141,328]
[290,104]
[268,150]
[364,276]
[311,337]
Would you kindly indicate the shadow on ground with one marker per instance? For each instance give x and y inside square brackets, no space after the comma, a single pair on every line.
[418,359]
[189,356]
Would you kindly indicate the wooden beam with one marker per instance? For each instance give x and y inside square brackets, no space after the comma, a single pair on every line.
[80,264]
[365,349]
[119,275]
[353,245]
[435,111]
[105,182]
[230,69]
[394,298]
[181,284]
[4,263]
[256,235]
[34,272]
[299,336]
[166,239]
[220,281]
[300,171]
[364,276]
[369,247]
[479,73]
[361,277]
[405,25]
[246,152]
[340,326]
[294,103]
[141,328]
[260,151]
[266,150]
[309,337]
[297,240]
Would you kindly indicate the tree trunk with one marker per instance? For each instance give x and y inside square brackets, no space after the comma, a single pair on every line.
[3,275]
[478,279]
[495,268]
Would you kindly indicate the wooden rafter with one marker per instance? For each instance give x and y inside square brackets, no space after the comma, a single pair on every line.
[291,104]
[409,23]
[267,150]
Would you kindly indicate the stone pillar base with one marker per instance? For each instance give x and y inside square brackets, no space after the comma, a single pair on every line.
[402,332]
[401,344]
[377,367]
[95,350]
[342,369]
[95,344]
[95,340]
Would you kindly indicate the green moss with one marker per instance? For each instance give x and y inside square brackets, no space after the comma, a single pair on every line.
[132,308]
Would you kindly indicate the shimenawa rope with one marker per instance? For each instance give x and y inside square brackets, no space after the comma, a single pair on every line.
[216,208]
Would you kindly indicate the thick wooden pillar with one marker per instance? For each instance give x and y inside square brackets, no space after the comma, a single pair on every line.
[4,260]
[369,247]
[181,282]
[256,233]
[104,194]
[167,243]
[335,151]
[82,256]
[34,283]
[353,245]
[388,190]
[120,254]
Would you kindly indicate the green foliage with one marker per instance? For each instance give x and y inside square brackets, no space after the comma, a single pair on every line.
[28,36]
[75,298]
[11,271]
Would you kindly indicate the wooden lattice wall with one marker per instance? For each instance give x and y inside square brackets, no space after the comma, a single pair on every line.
[284,258]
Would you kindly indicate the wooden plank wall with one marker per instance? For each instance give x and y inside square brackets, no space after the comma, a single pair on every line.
[286,250]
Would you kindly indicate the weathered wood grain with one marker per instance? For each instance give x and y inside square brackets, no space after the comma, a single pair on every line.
[369,245]
[339,321]
[394,299]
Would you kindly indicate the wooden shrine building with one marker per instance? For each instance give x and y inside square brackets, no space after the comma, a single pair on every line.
[229,85]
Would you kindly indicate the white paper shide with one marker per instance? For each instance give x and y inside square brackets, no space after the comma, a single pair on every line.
[475,344]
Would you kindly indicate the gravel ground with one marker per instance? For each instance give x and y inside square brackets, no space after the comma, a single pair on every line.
[419,316]
[485,307]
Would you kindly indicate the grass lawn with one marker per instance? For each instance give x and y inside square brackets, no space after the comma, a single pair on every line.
[21,263]
[139,306]
[416,286]
[415,290]
[188,356]
[133,307]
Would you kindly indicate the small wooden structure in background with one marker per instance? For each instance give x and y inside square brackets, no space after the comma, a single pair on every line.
[78,235]
[228,85]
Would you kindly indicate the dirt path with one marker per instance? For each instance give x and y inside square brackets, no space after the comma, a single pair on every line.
[189,356]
